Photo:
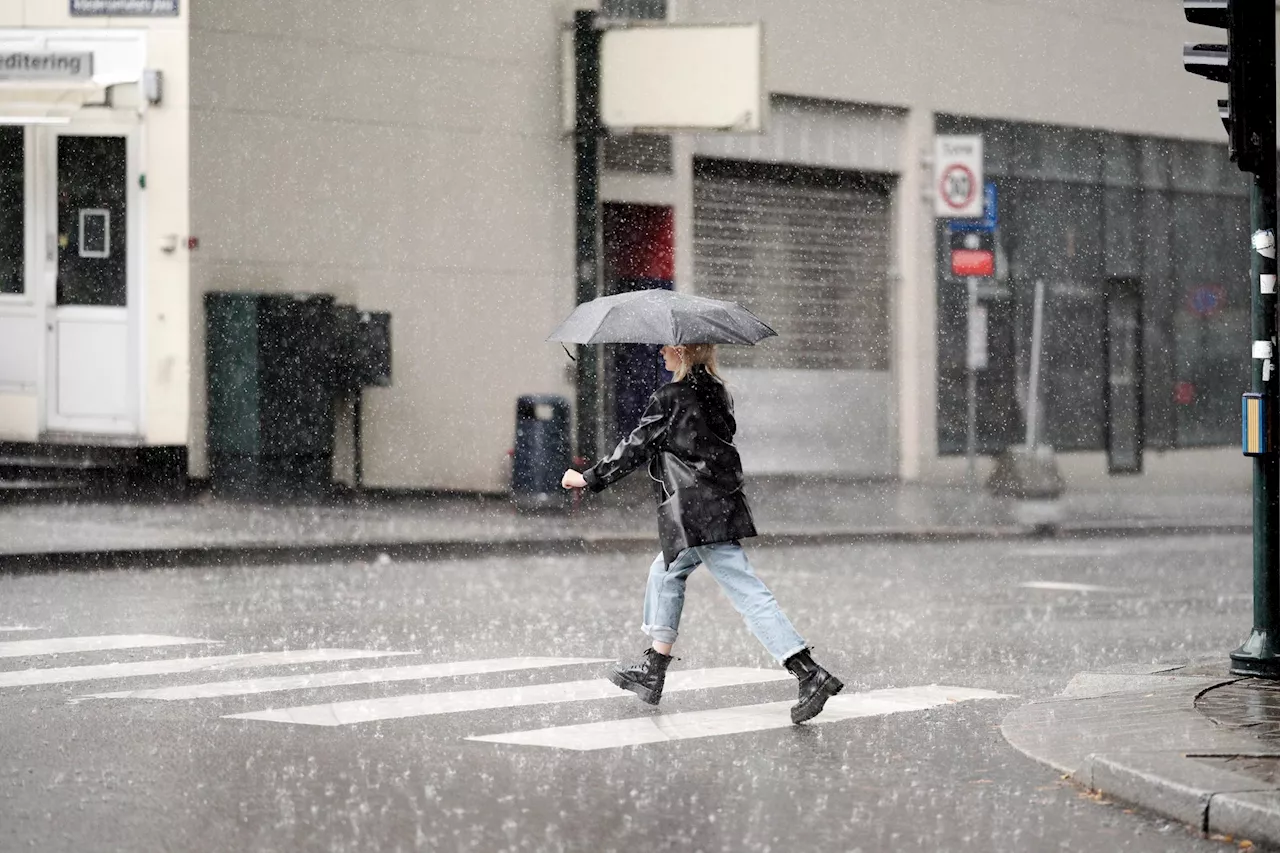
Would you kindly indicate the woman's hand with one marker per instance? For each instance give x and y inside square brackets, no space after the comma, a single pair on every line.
[573,480]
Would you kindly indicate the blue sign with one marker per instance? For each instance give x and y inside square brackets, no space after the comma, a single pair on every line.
[1206,300]
[988,221]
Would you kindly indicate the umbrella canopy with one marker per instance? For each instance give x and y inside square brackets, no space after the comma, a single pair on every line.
[660,317]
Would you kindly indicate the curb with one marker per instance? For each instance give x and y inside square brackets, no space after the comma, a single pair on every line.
[1151,748]
[265,553]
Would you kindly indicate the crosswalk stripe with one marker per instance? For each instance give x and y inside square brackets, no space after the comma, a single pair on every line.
[64,674]
[1067,586]
[342,678]
[60,645]
[427,704]
[724,721]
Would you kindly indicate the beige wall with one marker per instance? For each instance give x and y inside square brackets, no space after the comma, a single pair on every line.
[1090,63]
[405,159]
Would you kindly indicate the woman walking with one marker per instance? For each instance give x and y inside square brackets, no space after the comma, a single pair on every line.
[686,437]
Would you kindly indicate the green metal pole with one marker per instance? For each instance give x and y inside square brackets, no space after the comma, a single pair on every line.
[587,134]
[1260,654]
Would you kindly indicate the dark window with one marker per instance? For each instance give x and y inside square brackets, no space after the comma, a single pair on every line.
[645,153]
[635,9]
[92,187]
[1080,210]
[12,210]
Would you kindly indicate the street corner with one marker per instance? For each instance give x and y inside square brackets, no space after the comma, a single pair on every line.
[1184,740]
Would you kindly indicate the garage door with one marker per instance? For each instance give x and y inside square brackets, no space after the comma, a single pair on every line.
[808,250]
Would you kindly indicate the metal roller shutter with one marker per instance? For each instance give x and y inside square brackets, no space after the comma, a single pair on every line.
[808,249]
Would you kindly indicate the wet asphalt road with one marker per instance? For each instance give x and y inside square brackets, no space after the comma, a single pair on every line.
[141,774]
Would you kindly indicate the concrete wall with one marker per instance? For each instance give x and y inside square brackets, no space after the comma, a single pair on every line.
[405,157]
[1090,63]
[1087,63]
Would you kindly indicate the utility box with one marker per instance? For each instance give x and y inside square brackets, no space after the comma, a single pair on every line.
[271,367]
[364,348]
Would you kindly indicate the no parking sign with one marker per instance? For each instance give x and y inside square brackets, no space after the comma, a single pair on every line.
[957,176]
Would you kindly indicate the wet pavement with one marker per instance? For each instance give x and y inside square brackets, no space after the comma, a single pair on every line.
[785,508]
[1189,741]
[937,641]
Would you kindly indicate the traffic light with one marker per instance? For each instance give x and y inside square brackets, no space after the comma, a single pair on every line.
[1246,63]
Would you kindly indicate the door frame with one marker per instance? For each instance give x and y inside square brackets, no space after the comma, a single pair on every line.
[1117,290]
[45,238]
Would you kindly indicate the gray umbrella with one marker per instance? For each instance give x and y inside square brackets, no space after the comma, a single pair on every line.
[660,317]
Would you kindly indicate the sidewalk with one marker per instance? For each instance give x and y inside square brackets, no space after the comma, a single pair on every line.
[786,509]
[1188,741]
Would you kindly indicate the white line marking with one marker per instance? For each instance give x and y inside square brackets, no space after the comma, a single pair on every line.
[1083,551]
[342,678]
[59,645]
[727,721]
[427,704]
[220,663]
[19,628]
[1064,586]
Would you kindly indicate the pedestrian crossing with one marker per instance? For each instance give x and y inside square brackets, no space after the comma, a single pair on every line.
[639,731]
[429,704]
[747,718]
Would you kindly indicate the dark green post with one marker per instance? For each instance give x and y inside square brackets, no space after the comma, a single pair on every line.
[1253,48]
[587,134]
[1260,654]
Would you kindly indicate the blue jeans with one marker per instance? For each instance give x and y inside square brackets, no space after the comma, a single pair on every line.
[728,564]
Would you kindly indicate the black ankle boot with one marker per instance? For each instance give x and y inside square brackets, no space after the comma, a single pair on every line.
[816,686]
[645,677]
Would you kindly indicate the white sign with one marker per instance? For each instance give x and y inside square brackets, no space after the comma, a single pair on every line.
[957,176]
[681,77]
[976,357]
[45,65]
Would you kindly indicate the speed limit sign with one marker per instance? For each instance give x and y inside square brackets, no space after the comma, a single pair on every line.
[957,176]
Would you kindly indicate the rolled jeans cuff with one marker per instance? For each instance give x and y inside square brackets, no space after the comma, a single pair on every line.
[786,656]
[660,633]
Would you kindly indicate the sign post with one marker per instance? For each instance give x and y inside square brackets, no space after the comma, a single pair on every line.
[587,133]
[960,193]
[655,78]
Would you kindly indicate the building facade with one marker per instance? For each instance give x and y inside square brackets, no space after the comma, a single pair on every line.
[411,159]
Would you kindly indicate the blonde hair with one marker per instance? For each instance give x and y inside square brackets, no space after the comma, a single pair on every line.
[693,354]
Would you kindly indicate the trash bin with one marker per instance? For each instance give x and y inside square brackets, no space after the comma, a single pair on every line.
[541,452]
[270,368]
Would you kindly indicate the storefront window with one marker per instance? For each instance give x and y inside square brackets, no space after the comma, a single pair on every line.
[1079,210]
[12,210]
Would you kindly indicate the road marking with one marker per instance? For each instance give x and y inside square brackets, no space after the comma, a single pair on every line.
[1087,551]
[19,628]
[1063,586]
[64,674]
[60,645]
[343,677]
[726,721]
[427,704]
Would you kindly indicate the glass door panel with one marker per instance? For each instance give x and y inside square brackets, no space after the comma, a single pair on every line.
[13,206]
[92,189]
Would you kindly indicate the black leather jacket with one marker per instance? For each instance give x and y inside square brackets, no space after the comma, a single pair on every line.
[686,437]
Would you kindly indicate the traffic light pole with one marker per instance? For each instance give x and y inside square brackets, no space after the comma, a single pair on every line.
[587,133]
[1260,654]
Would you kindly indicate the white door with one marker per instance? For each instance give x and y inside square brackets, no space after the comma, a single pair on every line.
[91,282]
[21,302]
